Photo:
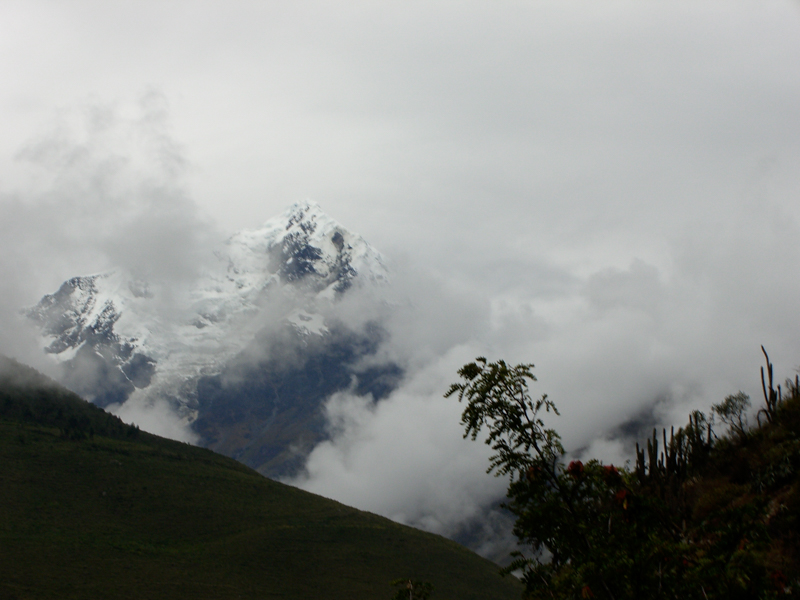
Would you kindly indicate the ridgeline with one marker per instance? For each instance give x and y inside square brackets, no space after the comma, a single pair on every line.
[94,508]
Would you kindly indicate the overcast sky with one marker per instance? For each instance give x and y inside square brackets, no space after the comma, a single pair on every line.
[610,190]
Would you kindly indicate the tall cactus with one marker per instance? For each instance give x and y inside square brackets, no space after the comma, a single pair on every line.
[685,450]
[772,398]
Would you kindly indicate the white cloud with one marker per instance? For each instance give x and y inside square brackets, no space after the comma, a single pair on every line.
[155,416]
[404,457]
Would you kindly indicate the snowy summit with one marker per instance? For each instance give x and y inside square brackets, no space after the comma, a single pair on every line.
[114,339]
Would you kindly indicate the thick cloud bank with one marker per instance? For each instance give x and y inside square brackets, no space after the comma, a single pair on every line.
[404,457]
[102,190]
[620,350]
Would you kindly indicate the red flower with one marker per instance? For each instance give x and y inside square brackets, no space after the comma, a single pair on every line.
[575,468]
[586,592]
[622,497]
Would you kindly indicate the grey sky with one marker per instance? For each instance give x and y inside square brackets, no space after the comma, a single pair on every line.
[606,189]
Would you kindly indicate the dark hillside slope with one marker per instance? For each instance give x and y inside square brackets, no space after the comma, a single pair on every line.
[93,508]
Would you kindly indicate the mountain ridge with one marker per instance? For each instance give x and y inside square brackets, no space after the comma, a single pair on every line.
[271,292]
[119,513]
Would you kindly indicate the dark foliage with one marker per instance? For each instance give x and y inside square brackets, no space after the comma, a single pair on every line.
[700,516]
[28,396]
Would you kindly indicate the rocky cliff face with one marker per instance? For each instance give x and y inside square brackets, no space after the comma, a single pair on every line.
[249,353]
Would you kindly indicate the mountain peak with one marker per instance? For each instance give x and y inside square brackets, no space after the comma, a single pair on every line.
[109,324]
[306,211]
[305,245]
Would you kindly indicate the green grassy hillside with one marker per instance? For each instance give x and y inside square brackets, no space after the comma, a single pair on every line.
[93,508]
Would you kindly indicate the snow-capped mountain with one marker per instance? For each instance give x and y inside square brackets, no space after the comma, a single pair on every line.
[302,245]
[268,294]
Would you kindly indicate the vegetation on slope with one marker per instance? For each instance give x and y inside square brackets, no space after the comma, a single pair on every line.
[708,516]
[94,508]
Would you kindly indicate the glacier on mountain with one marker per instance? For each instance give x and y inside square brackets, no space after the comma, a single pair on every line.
[271,289]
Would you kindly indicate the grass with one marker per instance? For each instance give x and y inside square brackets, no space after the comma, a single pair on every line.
[131,515]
